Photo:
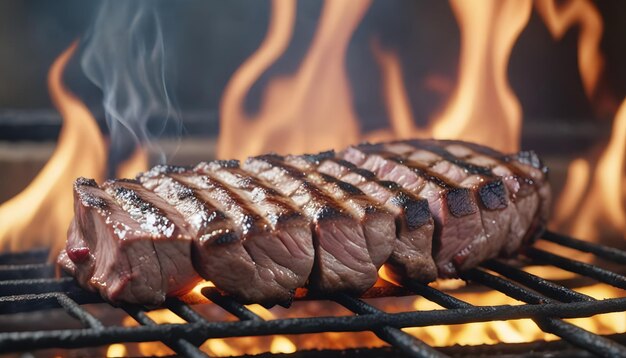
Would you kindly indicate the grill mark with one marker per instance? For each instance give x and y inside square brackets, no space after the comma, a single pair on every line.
[415,211]
[459,200]
[215,228]
[499,158]
[254,186]
[86,198]
[328,210]
[249,221]
[493,194]
[139,209]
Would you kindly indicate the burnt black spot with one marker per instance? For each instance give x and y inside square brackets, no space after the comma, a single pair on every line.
[327,212]
[125,180]
[184,192]
[93,201]
[224,238]
[86,182]
[460,202]
[319,157]
[270,157]
[391,185]
[493,195]
[416,211]
[345,187]
[232,163]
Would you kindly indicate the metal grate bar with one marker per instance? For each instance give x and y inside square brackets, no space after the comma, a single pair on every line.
[235,308]
[407,343]
[605,252]
[537,283]
[89,337]
[578,267]
[573,334]
[178,344]
[74,309]
[443,299]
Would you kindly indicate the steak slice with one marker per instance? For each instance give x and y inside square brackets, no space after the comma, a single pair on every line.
[255,256]
[412,251]
[456,214]
[343,262]
[526,180]
[113,251]
[379,225]
[489,192]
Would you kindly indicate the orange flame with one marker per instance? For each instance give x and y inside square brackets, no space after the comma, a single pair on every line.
[41,213]
[297,110]
[483,107]
[594,204]
[559,19]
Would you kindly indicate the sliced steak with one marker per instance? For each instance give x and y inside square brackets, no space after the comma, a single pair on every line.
[490,193]
[526,180]
[113,250]
[379,225]
[456,214]
[255,256]
[412,251]
[343,262]
[170,235]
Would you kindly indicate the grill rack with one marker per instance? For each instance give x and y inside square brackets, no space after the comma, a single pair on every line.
[27,283]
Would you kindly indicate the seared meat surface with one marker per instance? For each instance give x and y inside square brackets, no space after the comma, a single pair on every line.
[261,229]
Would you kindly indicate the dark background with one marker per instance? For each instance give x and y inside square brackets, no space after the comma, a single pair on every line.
[205,42]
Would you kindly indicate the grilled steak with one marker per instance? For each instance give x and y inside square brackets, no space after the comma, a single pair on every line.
[343,260]
[249,241]
[122,244]
[411,256]
[423,208]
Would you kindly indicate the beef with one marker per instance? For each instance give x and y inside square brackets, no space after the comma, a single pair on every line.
[525,177]
[249,241]
[342,259]
[420,209]
[125,247]
[457,217]
[411,257]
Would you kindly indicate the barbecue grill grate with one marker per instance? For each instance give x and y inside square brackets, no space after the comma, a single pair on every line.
[27,283]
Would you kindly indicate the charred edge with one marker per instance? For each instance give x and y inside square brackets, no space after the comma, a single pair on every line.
[232,163]
[460,202]
[162,169]
[125,180]
[319,157]
[81,181]
[415,211]
[531,158]
[345,187]
[92,201]
[493,195]
[444,154]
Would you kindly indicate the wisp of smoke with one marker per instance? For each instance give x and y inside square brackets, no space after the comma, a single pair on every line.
[124,55]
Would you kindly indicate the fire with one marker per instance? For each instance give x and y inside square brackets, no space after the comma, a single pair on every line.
[297,110]
[595,204]
[559,19]
[40,214]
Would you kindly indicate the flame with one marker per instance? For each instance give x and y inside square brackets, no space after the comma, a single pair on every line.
[138,162]
[40,214]
[296,110]
[595,203]
[483,107]
[583,13]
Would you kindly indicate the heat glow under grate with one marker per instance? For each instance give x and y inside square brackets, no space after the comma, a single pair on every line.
[28,284]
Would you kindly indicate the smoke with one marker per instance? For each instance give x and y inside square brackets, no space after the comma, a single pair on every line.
[124,55]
